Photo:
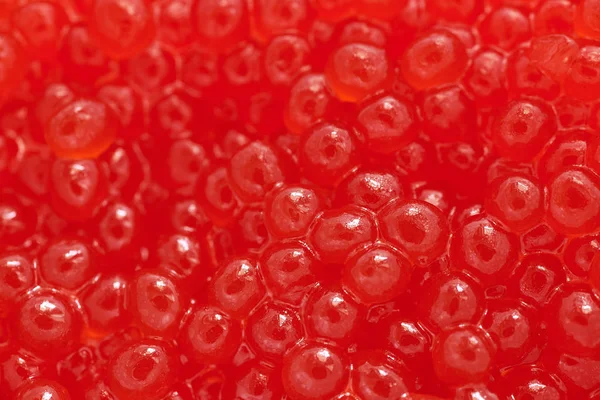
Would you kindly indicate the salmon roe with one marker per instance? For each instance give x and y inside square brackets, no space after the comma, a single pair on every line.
[299,199]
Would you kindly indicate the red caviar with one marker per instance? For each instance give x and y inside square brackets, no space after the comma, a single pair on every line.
[299,199]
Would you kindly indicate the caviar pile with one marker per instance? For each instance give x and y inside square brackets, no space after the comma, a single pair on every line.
[299,199]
